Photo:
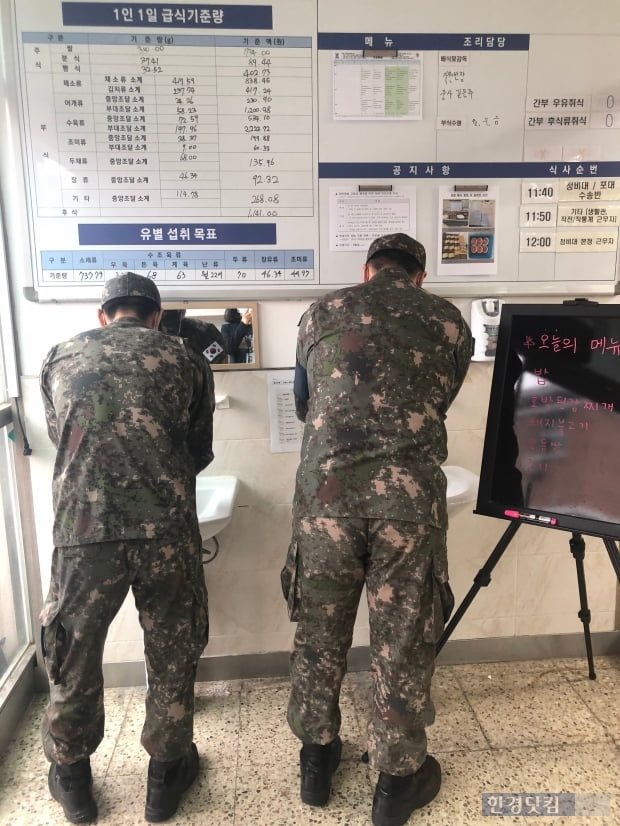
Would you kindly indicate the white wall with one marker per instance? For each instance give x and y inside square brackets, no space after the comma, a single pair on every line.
[533,589]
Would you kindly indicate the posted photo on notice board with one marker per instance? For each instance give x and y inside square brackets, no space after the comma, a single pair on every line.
[467,237]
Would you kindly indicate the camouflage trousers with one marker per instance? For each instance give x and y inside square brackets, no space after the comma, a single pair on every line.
[88,586]
[404,568]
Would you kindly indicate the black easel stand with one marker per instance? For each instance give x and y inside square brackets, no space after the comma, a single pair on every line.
[577,547]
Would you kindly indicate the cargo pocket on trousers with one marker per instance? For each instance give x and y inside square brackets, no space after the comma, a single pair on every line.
[54,639]
[200,614]
[201,627]
[441,609]
[290,582]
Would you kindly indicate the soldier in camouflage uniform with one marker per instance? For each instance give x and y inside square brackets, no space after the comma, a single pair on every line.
[130,410]
[378,365]
[202,334]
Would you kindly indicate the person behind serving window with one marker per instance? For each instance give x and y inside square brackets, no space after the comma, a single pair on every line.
[237,333]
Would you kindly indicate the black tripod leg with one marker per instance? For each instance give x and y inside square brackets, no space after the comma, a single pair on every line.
[482,579]
[578,550]
[614,556]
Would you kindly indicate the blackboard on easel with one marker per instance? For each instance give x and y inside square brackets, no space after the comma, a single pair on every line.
[551,455]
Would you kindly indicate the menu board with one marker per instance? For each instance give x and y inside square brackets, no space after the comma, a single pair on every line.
[256,149]
[552,444]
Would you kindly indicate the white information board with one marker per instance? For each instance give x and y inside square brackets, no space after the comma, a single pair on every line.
[286,431]
[220,149]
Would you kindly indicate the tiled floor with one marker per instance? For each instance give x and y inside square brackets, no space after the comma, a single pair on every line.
[530,727]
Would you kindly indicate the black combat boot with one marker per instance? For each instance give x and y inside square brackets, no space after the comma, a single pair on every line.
[397,797]
[166,784]
[317,764]
[72,787]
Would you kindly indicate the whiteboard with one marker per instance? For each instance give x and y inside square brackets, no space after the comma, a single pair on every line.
[256,149]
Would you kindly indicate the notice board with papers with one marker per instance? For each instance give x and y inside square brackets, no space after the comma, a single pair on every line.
[255,149]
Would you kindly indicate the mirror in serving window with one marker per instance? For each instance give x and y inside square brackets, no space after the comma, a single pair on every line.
[227,336]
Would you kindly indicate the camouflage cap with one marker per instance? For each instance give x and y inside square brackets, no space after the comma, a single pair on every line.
[130,284]
[398,241]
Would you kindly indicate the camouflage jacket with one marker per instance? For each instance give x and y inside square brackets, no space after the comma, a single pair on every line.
[130,411]
[384,361]
[203,335]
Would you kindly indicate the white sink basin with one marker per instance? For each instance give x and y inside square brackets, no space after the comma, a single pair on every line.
[215,501]
[462,485]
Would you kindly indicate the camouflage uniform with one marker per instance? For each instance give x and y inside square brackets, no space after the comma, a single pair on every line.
[206,337]
[130,411]
[202,334]
[384,361]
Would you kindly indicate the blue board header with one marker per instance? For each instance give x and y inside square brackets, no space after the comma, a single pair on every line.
[157,234]
[480,42]
[437,169]
[168,15]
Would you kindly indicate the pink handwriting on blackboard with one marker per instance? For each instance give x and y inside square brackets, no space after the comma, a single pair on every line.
[541,372]
[564,402]
[558,344]
[608,406]
[554,343]
[539,422]
[605,344]
[557,424]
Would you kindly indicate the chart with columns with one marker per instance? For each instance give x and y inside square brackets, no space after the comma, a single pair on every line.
[178,124]
[256,149]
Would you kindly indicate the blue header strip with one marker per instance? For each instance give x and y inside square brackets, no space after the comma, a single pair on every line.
[437,169]
[265,41]
[154,235]
[173,259]
[168,15]
[481,42]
